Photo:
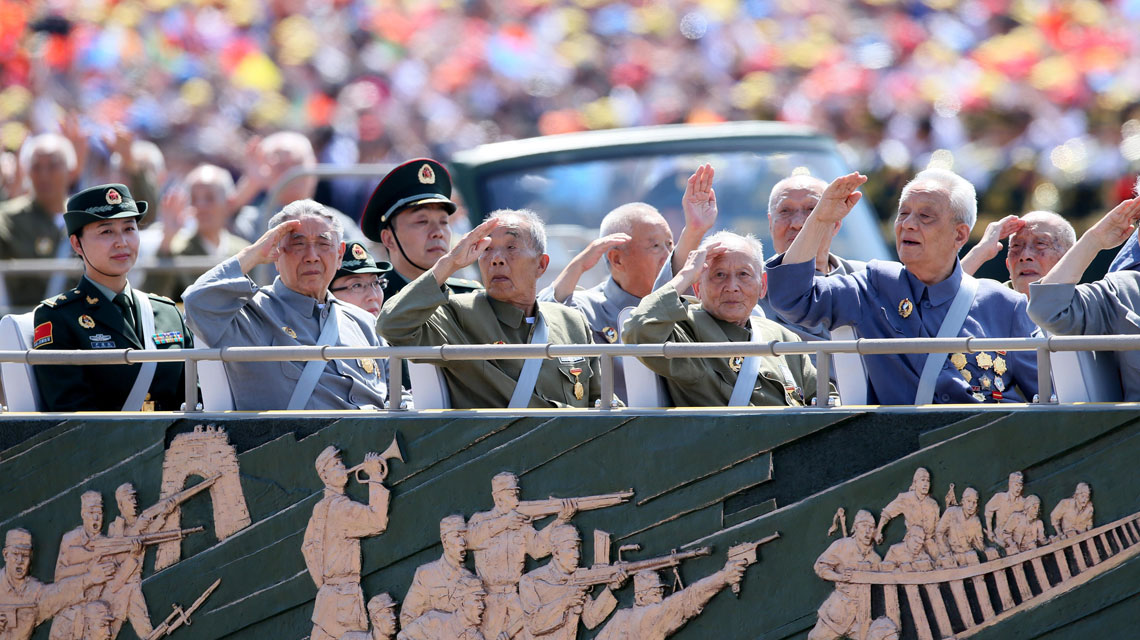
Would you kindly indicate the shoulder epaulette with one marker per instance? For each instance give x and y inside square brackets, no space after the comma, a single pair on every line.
[155,296]
[61,299]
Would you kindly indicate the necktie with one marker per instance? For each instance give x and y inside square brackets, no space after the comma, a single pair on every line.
[124,304]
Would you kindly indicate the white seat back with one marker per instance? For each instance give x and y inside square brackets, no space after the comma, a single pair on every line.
[644,388]
[20,390]
[1086,376]
[429,389]
[214,383]
[850,373]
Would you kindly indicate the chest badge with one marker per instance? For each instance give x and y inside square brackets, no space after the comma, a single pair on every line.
[999,366]
[86,321]
[958,360]
[906,307]
[368,364]
[289,332]
[984,360]
[735,363]
[610,333]
[579,390]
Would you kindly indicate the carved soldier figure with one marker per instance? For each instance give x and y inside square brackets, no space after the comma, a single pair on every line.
[917,508]
[461,624]
[500,540]
[26,602]
[910,554]
[1004,504]
[1023,531]
[552,603]
[959,533]
[382,615]
[332,544]
[76,557]
[883,628]
[99,621]
[838,617]
[1073,515]
[435,587]
[655,617]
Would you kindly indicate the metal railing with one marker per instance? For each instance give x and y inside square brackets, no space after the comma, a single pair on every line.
[823,350]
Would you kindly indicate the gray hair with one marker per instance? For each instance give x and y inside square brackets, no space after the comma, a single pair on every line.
[49,143]
[963,197]
[530,222]
[291,142]
[1066,235]
[213,176]
[149,156]
[801,181]
[304,208]
[755,247]
[622,219]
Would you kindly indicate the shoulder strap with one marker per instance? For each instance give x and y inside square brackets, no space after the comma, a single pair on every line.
[524,389]
[951,325]
[146,374]
[746,380]
[313,368]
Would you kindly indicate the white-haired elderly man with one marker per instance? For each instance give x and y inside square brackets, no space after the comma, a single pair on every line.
[1037,240]
[727,272]
[227,309]
[31,226]
[510,247]
[926,295]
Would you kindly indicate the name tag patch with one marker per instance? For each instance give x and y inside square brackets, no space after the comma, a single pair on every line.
[571,359]
[41,335]
[168,337]
[101,341]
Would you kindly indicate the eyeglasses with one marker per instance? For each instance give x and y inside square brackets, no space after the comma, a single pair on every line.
[358,288]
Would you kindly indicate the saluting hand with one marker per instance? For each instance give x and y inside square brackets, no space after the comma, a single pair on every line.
[268,246]
[466,251]
[592,254]
[699,201]
[1115,227]
[696,264]
[990,244]
[839,198]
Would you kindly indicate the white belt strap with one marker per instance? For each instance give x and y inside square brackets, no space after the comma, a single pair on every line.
[524,388]
[58,279]
[146,374]
[746,380]
[951,326]
[313,368]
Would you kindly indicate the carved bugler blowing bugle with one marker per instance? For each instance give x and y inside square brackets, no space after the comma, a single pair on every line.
[606,573]
[535,509]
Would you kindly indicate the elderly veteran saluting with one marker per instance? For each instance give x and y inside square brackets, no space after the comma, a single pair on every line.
[927,295]
[227,309]
[1108,306]
[510,247]
[728,275]
[1037,240]
[104,312]
[409,213]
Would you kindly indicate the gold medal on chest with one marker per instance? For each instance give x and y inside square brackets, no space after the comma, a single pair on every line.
[579,390]
[289,332]
[86,321]
[999,366]
[958,360]
[368,364]
[906,307]
[984,360]
[610,333]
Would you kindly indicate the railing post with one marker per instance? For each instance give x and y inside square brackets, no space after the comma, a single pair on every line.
[190,372]
[823,378]
[396,384]
[1044,375]
[607,363]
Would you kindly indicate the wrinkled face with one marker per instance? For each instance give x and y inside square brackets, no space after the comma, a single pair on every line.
[365,290]
[511,267]
[92,519]
[424,234]
[111,246]
[48,174]
[16,562]
[1082,496]
[926,236]
[209,202]
[310,256]
[335,475]
[922,484]
[128,504]
[566,555]
[472,607]
[731,286]
[793,204]
[455,547]
[1016,485]
[640,260]
[1033,251]
[970,505]
[864,531]
[506,499]
[384,621]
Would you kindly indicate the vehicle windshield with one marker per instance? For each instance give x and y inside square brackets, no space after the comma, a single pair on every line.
[573,198]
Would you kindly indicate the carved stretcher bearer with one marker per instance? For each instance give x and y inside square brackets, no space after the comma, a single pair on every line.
[838,617]
[910,554]
[1073,515]
[461,624]
[959,533]
[1023,531]
[382,615]
[1004,504]
[26,602]
[655,617]
[917,508]
[500,540]
[332,544]
[436,585]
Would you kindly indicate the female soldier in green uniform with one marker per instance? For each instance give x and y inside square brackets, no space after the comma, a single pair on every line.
[103,312]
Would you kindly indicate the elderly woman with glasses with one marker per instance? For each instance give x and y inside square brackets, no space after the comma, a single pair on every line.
[360,279]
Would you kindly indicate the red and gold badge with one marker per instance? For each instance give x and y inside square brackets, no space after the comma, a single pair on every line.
[427,174]
[41,335]
[86,321]
[114,197]
[358,252]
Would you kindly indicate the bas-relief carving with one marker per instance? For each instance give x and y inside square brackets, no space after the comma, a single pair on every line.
[954,553]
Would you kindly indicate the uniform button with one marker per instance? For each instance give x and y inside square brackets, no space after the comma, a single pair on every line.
[946,397]
[353,399]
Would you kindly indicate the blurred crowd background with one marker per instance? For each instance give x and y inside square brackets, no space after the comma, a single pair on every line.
[1037,102]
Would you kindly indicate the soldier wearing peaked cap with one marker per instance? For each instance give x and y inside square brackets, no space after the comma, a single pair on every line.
[104,312]
[360,280]
[408,213]
[436,585]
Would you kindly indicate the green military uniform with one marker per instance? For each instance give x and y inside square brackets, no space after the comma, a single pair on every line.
[425,314]
[85,318]
[396,282]
[27,231]
[663,316]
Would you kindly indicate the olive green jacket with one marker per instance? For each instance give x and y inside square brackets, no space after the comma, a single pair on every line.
[663,316]
[425,314]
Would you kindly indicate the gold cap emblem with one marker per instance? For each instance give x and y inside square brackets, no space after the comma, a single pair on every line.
[358,252]
[906,307]
[86,321]
[114,197]
[427,174]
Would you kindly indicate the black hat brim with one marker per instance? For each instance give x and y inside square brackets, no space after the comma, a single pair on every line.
[76,220]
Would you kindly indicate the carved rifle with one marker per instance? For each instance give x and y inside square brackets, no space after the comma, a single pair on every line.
[179,616]
[606,573]
[104,547]
[182,496]
[536,509]
[747,551]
